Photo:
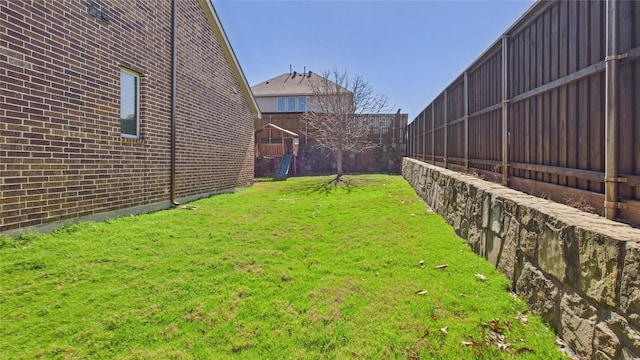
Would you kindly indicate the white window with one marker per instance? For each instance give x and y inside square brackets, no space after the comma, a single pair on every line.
[302,103]
[129,104]
[291,104]
[281,104]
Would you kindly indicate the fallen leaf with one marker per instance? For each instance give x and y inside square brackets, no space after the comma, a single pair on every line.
[494,325]
[523,319]
[524,350]
[421,292]
[499,340]
[441,266]
[481,277]
[474,344]
[496,338]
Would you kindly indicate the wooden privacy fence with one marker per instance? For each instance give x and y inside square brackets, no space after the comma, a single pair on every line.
[383,128]
[552,108]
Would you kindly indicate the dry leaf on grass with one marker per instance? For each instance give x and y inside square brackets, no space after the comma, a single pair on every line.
[494,325]
[523,319]
[524,350]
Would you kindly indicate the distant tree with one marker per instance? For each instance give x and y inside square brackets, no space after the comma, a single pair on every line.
[336,119]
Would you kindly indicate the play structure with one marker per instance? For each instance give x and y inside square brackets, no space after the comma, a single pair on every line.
[275,142]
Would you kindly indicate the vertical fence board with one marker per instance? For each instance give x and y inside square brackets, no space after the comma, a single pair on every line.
[635,150]
[583,92]
[596,119]
[572,93]
[553,95]
[597,86]
[626,94]
[562,96]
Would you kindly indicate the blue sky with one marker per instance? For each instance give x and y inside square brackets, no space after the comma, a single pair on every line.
[407,50]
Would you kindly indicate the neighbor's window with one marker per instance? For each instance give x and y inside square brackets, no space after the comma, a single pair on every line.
[302,103]
[129,104]
[291,104]
[280,104]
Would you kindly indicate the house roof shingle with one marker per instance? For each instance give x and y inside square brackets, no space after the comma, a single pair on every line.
[287,84]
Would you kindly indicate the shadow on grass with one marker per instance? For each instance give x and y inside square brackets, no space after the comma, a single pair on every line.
[322,184]
[334,184]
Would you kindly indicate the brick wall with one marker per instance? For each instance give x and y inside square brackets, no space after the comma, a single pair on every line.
[209,160]
[61,153]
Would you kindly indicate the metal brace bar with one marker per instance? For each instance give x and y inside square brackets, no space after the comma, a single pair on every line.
[616,179]
[614,205]
[616,57]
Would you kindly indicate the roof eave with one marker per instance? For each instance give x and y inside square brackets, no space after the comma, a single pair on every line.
[218,30]
[261,95]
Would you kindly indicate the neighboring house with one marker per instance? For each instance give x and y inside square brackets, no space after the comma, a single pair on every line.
[282,102]
[99,120]
[283,99]
[288,93]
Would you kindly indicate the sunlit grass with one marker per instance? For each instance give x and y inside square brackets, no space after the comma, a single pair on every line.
[275,271]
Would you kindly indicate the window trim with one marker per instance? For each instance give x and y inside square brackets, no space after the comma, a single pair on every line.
[137,77]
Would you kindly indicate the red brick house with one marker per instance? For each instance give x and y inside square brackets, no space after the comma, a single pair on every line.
[113,107]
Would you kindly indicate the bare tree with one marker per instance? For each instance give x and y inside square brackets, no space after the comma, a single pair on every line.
[337,119]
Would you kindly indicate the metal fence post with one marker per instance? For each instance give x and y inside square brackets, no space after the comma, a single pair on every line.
[424,137]
[446,143]
[466,121]
[420,120]
[411,139]
[611,203]
[505,123]
[413,136]
[433,133]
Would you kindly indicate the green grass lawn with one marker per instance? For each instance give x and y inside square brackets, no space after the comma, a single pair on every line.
[277,271]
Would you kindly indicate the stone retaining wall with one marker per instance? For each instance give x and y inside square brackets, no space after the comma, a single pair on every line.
[579,271]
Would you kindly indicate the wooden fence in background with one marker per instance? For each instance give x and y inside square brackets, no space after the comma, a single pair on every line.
[552,108]
[383,128]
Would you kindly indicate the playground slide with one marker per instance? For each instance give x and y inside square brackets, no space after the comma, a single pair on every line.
[284,167]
